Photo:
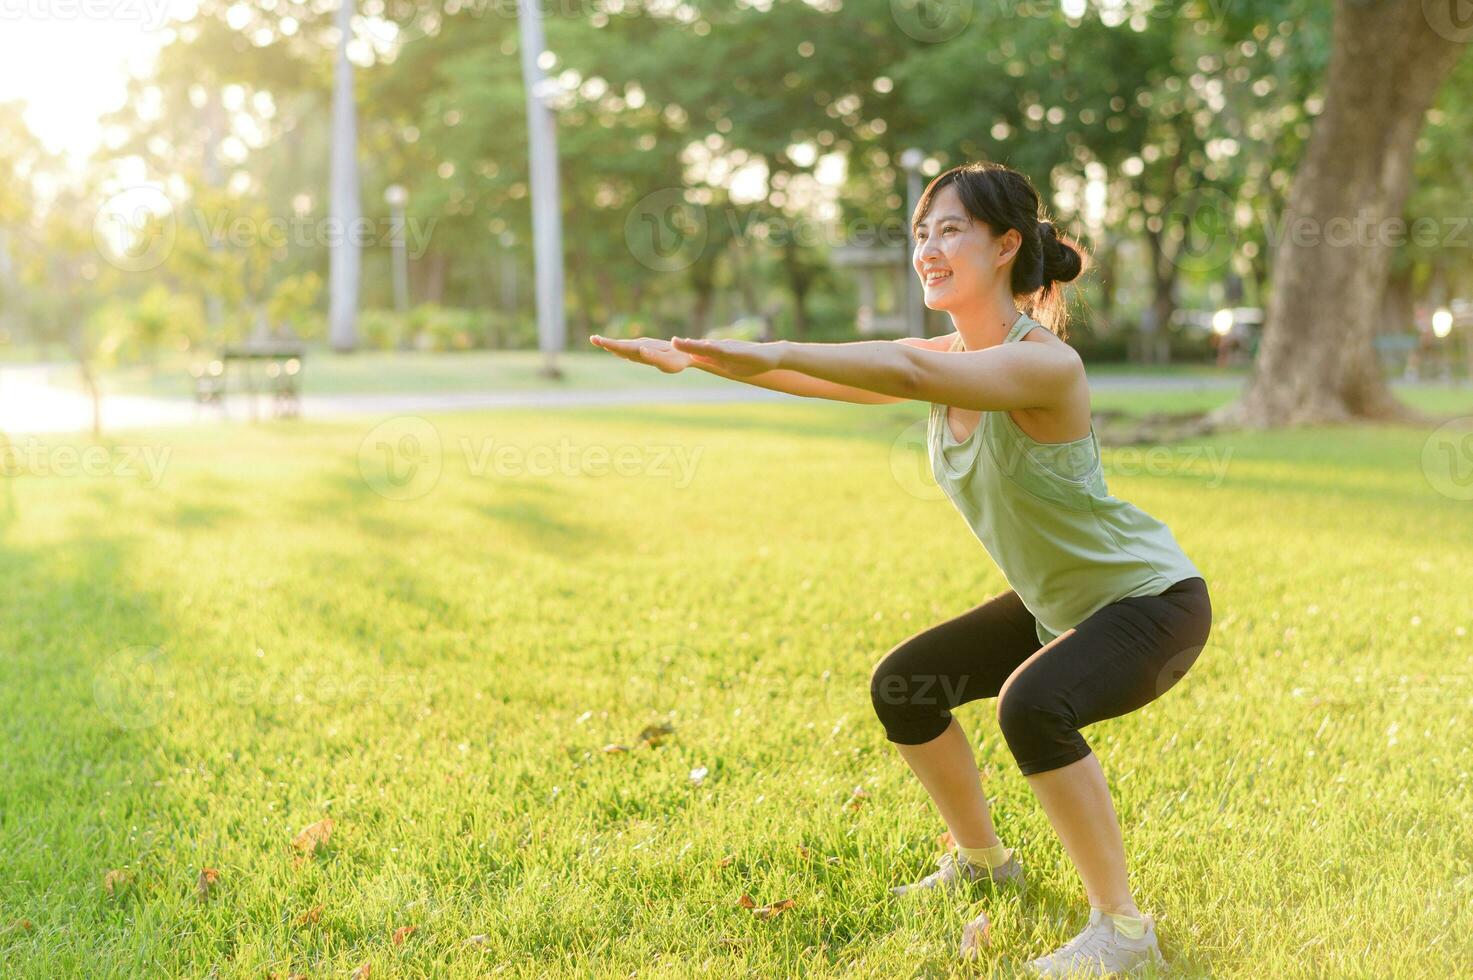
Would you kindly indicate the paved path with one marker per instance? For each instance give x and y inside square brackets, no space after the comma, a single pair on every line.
[29,404]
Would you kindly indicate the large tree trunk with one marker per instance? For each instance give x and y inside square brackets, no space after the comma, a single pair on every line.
[800,277]
[1316,362]
[1155,331]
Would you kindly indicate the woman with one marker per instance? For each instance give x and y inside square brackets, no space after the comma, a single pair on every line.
[1104,612]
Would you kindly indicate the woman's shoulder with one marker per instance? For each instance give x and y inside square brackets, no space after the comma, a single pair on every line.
[942,343]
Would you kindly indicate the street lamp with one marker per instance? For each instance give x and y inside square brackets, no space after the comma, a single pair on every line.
[910,162]
[397,197]
[547,228]
[344,260]
[1442,323]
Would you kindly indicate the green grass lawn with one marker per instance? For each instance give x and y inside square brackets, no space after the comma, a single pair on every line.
[267,629]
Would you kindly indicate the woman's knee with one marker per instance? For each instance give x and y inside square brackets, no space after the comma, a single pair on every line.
[909,699]
[1038,727]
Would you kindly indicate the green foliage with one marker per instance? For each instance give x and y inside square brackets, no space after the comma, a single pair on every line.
[293,304]
[160,320]
[380,329]
[435,327]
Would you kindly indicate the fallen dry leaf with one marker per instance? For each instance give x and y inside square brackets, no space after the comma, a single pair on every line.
[402,933]
[768,911]
[18,925]
[362,973]
[314,914]
[722,862]
[747,902]
[653,735]
[857,797]
[115,880]
[614,747]
[208,879]
[975,935]
[804,852]
[313,835]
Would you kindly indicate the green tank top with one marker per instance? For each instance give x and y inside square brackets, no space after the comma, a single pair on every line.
[1064,544]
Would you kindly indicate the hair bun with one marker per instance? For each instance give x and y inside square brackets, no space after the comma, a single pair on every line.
[1061,261]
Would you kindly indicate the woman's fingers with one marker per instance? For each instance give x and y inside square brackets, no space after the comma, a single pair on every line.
[645,350]
[627,349]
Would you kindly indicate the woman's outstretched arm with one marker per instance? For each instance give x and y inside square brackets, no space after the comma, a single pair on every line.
[664,355]
[1003,377]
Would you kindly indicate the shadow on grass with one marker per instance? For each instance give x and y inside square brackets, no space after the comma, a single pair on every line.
[80,705]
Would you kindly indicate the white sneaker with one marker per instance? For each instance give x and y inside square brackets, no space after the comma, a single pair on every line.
[1100,951]
[953,871]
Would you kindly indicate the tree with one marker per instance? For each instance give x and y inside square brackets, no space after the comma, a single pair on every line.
[1316,362]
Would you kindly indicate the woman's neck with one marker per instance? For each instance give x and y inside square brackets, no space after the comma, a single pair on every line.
[986,324]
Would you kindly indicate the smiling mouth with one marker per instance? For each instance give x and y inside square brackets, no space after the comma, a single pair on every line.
[933,278]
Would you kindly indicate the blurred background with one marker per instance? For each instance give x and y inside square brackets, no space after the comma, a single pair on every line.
[207,198]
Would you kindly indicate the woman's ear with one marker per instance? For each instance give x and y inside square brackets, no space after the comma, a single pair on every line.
[1008,244]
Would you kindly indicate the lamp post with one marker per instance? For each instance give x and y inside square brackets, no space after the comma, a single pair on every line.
[910,162]
[547,228]
[344,261]
[397,197]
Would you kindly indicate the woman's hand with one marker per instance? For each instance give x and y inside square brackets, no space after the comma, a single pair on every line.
[741,358]
[646,350]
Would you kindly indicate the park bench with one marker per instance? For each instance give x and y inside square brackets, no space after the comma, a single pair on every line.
[280,378]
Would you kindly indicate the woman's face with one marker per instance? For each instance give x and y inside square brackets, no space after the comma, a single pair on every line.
[956,257]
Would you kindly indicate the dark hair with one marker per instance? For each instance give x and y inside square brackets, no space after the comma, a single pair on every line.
[1004,198]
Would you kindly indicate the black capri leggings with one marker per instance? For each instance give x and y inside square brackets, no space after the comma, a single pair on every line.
[1124,655]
